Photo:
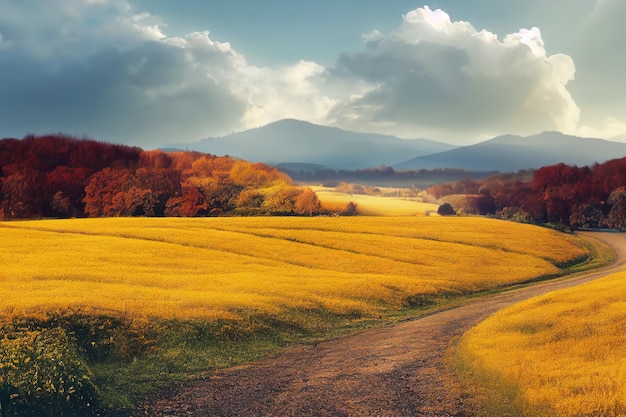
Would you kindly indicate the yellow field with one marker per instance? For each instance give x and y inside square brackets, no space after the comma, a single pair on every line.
[221,267]
[562,354]
[369,205]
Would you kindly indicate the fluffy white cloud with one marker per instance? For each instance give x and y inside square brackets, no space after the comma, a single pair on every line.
[105,69]
[294,91]
[443,79]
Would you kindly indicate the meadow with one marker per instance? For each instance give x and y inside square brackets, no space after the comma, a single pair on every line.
[562,354]
[370,205]
[146,302]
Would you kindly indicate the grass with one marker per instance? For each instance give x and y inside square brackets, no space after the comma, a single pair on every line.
[154,301]
[561,354]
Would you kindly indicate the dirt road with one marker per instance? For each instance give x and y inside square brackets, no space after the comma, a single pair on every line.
[397,370]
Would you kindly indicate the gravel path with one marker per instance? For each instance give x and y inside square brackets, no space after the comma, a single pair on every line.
[397,370]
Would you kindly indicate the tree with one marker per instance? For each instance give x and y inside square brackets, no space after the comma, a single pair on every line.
[62,205]
[586,215]
[280,198]
[446,209]
[245,175]
[250,201]
[351,209]
[189,203]
[307,203]
[117,192]
[162,184]
[616,218]
[70,183]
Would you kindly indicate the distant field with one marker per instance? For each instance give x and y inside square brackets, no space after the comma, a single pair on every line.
[562,354]
[369,205]
[178,296]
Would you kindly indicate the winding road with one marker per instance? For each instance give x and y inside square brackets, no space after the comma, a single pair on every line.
[398,370]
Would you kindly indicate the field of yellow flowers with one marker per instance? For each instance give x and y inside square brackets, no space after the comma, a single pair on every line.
[562,354]
[147,301]
[213,268]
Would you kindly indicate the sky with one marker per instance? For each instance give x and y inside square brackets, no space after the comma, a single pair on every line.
[159,72]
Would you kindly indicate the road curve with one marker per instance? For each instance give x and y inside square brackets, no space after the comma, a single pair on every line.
[397,370]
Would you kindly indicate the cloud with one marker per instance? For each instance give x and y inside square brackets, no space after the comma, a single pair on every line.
[610,128]
[443,79]
[105,69]
[601,65]
[295,91]
[118,79]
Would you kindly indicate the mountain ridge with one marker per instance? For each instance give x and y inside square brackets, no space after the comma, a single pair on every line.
[510,153]
[295,141]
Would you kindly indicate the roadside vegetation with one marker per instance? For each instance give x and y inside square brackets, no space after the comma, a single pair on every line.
[127,306]
[562,354]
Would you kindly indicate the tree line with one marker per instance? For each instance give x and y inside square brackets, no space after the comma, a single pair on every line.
[575,197]
[382,176]
[61,176]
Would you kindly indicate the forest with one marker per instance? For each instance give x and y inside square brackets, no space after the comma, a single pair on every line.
[61,176]
[570,196]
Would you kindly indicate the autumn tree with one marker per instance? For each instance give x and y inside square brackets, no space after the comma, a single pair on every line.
[250,201]
[117,192]
[18,197]
[616,219]
[65,190]
[586,215]
[307,203]
[189,203]
[280,198]
[247,175]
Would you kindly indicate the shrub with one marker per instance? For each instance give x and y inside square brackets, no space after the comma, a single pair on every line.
[446,210]
[513,214]
[41,374]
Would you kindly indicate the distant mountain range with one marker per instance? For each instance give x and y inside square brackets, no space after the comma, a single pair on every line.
[511,153]
[294,141]
[312,147]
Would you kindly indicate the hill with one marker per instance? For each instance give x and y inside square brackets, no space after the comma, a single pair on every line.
[147,302]
[294,141]
[512,153]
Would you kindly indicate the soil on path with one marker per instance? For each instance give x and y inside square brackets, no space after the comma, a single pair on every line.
[398,370]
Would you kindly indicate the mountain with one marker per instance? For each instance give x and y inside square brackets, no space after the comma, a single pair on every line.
[511,153]
[294,141]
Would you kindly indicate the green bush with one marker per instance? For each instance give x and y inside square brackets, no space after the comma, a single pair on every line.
[99,337]
[41,374]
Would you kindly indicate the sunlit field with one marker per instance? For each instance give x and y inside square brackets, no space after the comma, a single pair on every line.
[217,267]
[562,354]
[370,205]
[154,300]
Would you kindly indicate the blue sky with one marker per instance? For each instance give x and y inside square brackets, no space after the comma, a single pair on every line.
[154,72]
